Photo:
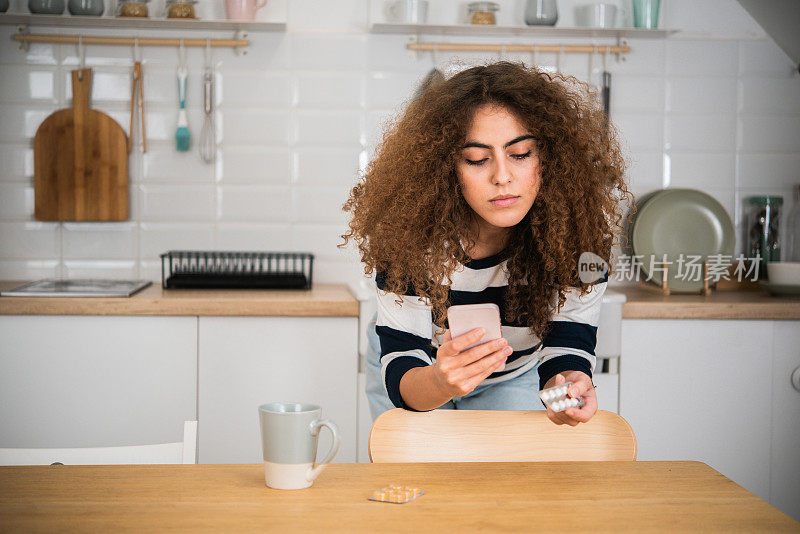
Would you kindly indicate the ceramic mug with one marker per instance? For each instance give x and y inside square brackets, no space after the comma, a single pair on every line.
[289,438]
[243,9]
[596,16]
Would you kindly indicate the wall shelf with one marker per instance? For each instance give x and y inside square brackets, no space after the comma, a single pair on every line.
[532,31]
[141,23]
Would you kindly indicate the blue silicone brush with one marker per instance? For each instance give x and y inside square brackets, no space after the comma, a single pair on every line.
[182,136]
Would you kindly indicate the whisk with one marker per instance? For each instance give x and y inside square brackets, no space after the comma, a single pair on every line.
[208,140]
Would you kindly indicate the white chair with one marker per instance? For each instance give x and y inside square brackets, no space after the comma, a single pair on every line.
[181,452]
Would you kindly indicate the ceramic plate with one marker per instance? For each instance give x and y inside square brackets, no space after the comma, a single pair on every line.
[781,289]
[679,222]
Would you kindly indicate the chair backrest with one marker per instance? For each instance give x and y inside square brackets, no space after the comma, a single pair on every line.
[497,436]
[181,452]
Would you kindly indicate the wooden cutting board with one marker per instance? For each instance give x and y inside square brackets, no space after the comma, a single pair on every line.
[80,162]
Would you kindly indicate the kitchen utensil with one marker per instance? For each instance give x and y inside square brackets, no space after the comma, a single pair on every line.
[482,12]
[92,8]
[681,223]
[77,288]
[132,8]
[408,11]
[433,77]
[137,93]
[243,9]
[183,269]
[596,16]
[46,7]
[541,13]
[80,162]
[762,223]
[645,13]
[182,136]
[793,229]
[207,134]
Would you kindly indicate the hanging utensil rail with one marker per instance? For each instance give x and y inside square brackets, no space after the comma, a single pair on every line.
[26,38]
[549,48]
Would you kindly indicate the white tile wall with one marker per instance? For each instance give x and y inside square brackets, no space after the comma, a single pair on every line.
[300,114]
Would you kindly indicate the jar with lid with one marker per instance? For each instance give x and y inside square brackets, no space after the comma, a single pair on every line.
[762,223]
[483,12]
[132,8]
[180,9]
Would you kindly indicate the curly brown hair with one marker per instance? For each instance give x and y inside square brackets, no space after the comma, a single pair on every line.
[410,219]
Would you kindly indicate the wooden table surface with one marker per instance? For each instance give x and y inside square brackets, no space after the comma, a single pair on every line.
[491,497]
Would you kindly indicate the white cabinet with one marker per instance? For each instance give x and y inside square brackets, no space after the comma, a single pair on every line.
[701,390]
[80,381]
[785,486]
[247,361]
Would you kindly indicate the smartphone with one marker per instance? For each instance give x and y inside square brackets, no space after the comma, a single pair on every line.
[466,317]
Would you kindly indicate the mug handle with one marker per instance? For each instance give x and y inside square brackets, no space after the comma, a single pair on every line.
[261,4]
[314,428]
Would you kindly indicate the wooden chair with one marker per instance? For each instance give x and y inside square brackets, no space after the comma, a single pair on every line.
[180,452]
[496,436]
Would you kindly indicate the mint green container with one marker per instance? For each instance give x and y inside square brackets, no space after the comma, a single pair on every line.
[645,13]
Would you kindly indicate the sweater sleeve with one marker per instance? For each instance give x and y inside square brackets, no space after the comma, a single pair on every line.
[570,342]
[405,330]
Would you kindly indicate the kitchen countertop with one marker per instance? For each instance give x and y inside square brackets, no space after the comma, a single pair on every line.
[324,300]
[643,302]
[754,303]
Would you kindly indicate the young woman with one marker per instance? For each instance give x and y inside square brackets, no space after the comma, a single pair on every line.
[488,189]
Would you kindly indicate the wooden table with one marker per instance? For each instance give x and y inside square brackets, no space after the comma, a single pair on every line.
[491,497]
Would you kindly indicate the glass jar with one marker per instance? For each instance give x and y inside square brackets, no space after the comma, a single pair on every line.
[46,7]
[180,9]
[91,8]
[541,13]
[483,12]
[132,8]
[793,229]
[762,223]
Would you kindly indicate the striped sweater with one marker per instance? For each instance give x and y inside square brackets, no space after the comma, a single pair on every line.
[406,330]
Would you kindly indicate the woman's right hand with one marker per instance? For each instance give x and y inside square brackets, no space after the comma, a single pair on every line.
[458,371]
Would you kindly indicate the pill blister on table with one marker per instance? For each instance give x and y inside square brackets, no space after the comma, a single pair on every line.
[396,493]
[556,398]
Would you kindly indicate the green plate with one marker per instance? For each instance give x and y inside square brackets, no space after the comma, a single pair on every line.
[679,222]
[781,289]
[630,220]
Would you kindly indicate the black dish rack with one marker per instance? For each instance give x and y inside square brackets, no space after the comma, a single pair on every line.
[183,269]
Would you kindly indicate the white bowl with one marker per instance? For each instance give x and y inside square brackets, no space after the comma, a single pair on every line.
[784,272]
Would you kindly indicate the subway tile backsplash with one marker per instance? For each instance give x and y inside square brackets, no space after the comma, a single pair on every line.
[298,117]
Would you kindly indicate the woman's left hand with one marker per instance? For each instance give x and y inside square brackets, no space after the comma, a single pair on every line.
[581,387]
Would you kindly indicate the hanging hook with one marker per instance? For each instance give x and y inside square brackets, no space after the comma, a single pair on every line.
[435,55]
[81,57]
[502,52]
[137,53]
[182,53]
[591,64]
[559,58]
[605,59]
[535,55]
[208,53]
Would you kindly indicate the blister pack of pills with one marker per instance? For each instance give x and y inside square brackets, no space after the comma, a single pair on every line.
[556,398]
[396,493]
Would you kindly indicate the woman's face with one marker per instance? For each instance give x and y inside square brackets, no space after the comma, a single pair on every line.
[498,170]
